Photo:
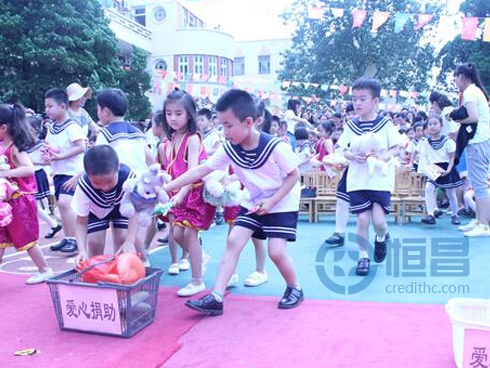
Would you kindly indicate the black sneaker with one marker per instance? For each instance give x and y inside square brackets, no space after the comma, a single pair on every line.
[379,250]
[161,225]
[455,220]
[53,231]
[291,298]
[429,220]
[70,246]
[362,268]
[438,213]
[207,305]
[58,246]
[218,218]
[336,240]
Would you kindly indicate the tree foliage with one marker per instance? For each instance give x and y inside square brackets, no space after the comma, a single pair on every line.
[460,51]
[329,51]
[52,43]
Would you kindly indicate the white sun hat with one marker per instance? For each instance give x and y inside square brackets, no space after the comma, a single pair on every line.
[76,91]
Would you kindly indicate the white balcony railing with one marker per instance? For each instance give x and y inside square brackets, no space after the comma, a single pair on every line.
[128,24]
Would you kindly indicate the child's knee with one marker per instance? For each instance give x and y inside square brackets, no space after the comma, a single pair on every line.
[363,220]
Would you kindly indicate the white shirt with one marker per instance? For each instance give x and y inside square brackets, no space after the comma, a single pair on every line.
[128,142]
[88,200]
[62,136]
[211,140]
[429,155]
[474,94]
[358,177]
[35,154]
[261,171]
[289,118]
[82,118]
[304,153]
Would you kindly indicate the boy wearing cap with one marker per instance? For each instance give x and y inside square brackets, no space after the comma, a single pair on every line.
[77,95]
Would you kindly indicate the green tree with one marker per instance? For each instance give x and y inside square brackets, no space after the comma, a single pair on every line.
[329,51]
[460,51]
[135,81]
[52,43]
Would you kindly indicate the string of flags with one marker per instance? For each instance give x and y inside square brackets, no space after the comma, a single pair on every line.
[468,26]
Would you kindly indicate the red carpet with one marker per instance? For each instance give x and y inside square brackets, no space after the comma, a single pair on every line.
[254,333]
[251,333]
[28,321]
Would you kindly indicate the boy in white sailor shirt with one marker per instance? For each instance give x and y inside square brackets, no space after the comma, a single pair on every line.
[96,203]
[66,144]
[268,168]
[369,194]
[129,142]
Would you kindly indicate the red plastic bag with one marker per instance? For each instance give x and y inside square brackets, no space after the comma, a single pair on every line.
[122,269]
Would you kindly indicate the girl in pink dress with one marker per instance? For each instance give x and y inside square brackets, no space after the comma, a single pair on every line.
[190,213]
[324,145]
[23,231]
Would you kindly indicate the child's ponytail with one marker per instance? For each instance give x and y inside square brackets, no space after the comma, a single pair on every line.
[14,117]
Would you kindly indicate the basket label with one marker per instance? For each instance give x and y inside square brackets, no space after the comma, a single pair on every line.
[476,349]
[90,309]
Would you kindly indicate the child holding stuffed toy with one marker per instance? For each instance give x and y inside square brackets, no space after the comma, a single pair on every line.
[370,194]
[23,230]
[97,201]
[269,170]
[437,153]
[190,213]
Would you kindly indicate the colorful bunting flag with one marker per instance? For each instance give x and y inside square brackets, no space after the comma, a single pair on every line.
[423,20]
[470,25]
[486,32]
[400,20]
[379,18]
[316,12]
[359,16]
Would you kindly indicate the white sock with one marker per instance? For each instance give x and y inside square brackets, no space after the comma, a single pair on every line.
[363,254]
[341,216]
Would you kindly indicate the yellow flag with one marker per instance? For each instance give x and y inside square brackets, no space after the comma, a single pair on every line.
[379,18]
[486,32]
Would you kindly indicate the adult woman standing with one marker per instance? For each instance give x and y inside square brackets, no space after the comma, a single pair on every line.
[475,99]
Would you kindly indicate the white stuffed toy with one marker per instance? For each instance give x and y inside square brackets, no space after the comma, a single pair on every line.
[143,193]
[369,145]
[219,190]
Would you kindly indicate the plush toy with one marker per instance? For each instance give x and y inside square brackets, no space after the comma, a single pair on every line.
[48,150]
[143,193]
[369,145]
[336,161]
[219,190]
[6,191]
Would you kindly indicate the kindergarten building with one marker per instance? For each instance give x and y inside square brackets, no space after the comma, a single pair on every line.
[187,52]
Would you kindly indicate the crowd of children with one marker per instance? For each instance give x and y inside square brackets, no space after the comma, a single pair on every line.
[266,153]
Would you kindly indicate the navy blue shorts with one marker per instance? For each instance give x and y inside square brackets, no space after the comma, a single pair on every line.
[58,181]
[96,224]
[273,225]
[363,200]
[42,184]
[342,188]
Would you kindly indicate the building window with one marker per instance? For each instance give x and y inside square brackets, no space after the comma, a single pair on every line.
[192,20]
[159,14]
[239,66]
[265,64]
[213,65]
[223,67]
[160,64]
[199,64]
[140,15]
[184,64]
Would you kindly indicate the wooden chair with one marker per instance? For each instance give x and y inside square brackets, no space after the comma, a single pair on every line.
[325,200]
[414,204]
[306,205]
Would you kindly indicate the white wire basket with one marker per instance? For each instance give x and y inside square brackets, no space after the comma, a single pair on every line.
[467,314]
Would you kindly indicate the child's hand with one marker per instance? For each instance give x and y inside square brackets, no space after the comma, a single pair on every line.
[70,184]
[127,247]
[262,208]
[81,257]
[358,158]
